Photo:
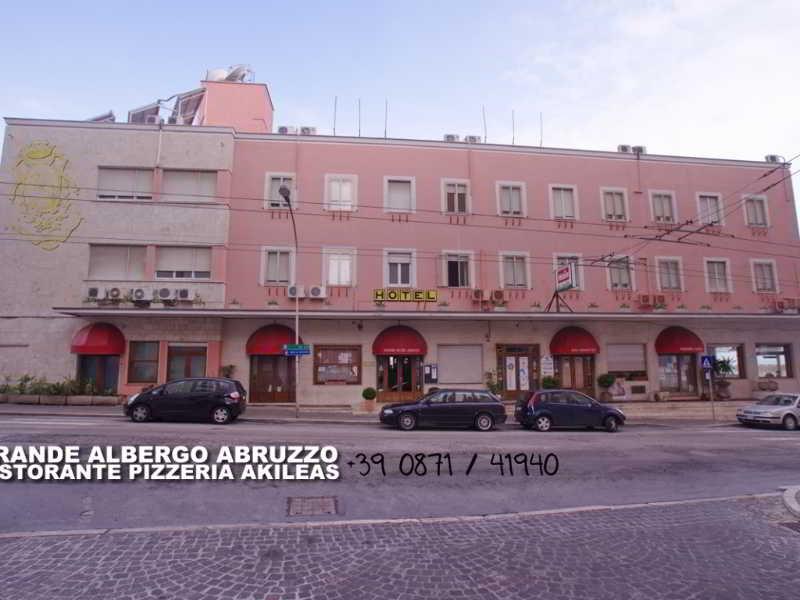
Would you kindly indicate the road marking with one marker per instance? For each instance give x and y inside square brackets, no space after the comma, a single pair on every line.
[46,422]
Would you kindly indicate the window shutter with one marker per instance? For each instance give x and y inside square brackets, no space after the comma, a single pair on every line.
[626,357]
[460,364]
[107,262]
[189,186]
[120,183]
[399,195]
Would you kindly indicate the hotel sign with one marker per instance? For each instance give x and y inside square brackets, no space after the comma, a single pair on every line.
[401,295]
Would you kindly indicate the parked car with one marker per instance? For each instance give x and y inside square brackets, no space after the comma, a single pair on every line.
[219,400]
[447,408]
[775,409]
[545,409]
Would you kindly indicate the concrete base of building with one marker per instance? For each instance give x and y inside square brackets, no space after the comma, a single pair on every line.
[23,399]
[53,400]
[3,398]
[79,400]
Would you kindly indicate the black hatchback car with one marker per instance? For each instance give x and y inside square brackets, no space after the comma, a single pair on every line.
[219,400]
[545,409]
[447,408]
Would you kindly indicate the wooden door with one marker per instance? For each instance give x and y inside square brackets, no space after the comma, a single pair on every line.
[517,370]
[576,372]
[399,378]
[271,379]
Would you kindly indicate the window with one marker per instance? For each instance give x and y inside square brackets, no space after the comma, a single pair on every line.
[399,269]
[764,279]
[339,266]
[669,274]
[183,262]
[734,353]
[514,271]
[562,260]
[189,186]
[563,202]
[116,262]
[178,387]
[457,270]
[717,276]
[774,360]
[337,364]
[124,184]
[627,361]
[462,364]
[143,362]
[614,205]
[663,207]
[341,192]
[709,209]
[456,197]
[619,272]
[186,361]
[510,198]
[756,211]
[272,196]
[398,194]
[277,266]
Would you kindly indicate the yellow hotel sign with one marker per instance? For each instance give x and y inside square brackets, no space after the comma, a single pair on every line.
[395,295]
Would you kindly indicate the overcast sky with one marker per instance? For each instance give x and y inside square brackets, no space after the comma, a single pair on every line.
[706,77]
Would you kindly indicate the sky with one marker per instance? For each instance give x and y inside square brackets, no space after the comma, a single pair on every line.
[700,78]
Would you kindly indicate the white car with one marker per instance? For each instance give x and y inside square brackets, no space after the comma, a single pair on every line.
[775,409]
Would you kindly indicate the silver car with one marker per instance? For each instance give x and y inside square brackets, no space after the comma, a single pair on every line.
[775,409]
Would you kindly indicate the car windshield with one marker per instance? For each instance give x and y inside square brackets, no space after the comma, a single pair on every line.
[777,400]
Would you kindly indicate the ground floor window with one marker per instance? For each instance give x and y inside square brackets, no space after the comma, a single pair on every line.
[186,361]
[460,364]
[627,361]
[774,360]
[143,362]
[734,354]
[337,364]
[677,373]
[98,372]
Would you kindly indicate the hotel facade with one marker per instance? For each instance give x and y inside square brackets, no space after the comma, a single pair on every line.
[138,252]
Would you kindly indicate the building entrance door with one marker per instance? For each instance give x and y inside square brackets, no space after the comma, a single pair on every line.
[271,379]
[677,373]
[517,370]
[399,378]
[576,372]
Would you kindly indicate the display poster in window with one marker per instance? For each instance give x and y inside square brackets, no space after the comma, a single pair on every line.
[547,366]
[524,376]
[511,373]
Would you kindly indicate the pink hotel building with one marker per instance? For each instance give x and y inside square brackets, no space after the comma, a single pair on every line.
[138,252]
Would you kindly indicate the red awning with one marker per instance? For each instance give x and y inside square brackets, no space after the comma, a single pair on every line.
[399,340]
[269,340]
[98,338]
[573,340]
[677,340]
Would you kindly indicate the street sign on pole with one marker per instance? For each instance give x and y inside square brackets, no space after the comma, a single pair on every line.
[707,362]
[296,349]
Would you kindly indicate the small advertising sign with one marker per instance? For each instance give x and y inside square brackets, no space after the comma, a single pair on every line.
[565,277]
[296,349]
[547,366]
[404,295]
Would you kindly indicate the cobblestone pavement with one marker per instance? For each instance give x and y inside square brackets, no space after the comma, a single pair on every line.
[722,549]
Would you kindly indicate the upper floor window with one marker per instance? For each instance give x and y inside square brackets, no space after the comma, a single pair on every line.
[277,266]
[398,194]
[124,184]
[709,209]
[614,205]
[514,272]
[183,262]
[717,275]
[456,197]
[563,202]
[764,279]
[511,199]
[189,186]
[341,192]
[457,267]
[339,266]
[663,207]
[272,196]
[619,273]
[756,211]
[116,262]
[399,270]
[669,274]
[562,260]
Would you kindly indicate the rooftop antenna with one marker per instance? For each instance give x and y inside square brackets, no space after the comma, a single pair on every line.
[513,128]
[541,129]
[386,119]
[335,99]
[483,110]
[359,117]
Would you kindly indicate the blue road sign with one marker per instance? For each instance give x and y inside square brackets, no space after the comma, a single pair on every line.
[296,349]
[707,361]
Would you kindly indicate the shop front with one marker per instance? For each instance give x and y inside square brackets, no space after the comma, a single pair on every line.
[518,368]
[271,372]
[574,350]
[677,349]
[399,353]
[99,347]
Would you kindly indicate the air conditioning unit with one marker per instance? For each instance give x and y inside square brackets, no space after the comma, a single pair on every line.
[172,121]
[624,148]
[113,293]
[639,149]
[164,293]
[477,295]
[153,120]
[139,294]
[451,137]
[306,130]
[498,296]
[182,294]
[93,292]
[317,292]
[473,139]
[663,219]
[287,130]
[773,158]
[296,291]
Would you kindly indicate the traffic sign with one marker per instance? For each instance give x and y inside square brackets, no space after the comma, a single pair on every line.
[707,361]
[296,349]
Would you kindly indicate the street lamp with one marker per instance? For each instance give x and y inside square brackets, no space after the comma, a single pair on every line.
[286,194]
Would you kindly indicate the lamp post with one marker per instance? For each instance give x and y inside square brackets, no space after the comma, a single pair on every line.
[286,194]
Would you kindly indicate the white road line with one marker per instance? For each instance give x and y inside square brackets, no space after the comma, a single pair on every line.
[46,422]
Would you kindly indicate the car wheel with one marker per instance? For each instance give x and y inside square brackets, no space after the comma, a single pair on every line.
[140,413]
[611,424]
[221,415]
[484,422]
[407,422]
[789,423]
[544,423]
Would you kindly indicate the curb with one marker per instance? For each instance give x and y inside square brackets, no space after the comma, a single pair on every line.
[790,500]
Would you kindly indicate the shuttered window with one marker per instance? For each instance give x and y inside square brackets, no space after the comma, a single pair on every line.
[399,195]
[124,184]
[510,199]
[709,208]
[183,262]
[663,210]
[116,262]
[756,212]
[563,203]
[620,274]
[614,206]
[461,364]
[277,266]
[341,192]
[455,197]
[669,274]
[515,273]
[273,197]
[189,186]
[717,273]
[764,274]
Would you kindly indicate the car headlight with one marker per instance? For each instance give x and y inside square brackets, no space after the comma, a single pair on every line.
[388,411]
[132,398]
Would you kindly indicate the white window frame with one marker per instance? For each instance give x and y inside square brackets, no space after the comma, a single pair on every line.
[262,273]
[326,204]
[681,280]
[721,211]
[523,198]
[579,255]
[674,198]
[727,261]
[470,257]
[409,178]
[526,256]
[631,273]
[412,270]
[454,181]
[617,190]
[762,197]
[267,185]
[765,261]
[575,201]
[334,250]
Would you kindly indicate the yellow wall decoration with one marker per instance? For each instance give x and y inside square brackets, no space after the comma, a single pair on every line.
[42,196]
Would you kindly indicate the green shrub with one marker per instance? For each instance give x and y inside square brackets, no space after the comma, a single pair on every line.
[606,380]
[369,393]
[549,383]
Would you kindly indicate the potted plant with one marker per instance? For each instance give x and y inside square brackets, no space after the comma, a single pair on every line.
[549,382]
[227,371]
[723,369]
[736,307]
[443,305]
[705,307]
[369,394]
[659,307]
[273,304]
[234,303]
[624,307]
[593,306]
[493,384]
[605,381]
[680,308]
